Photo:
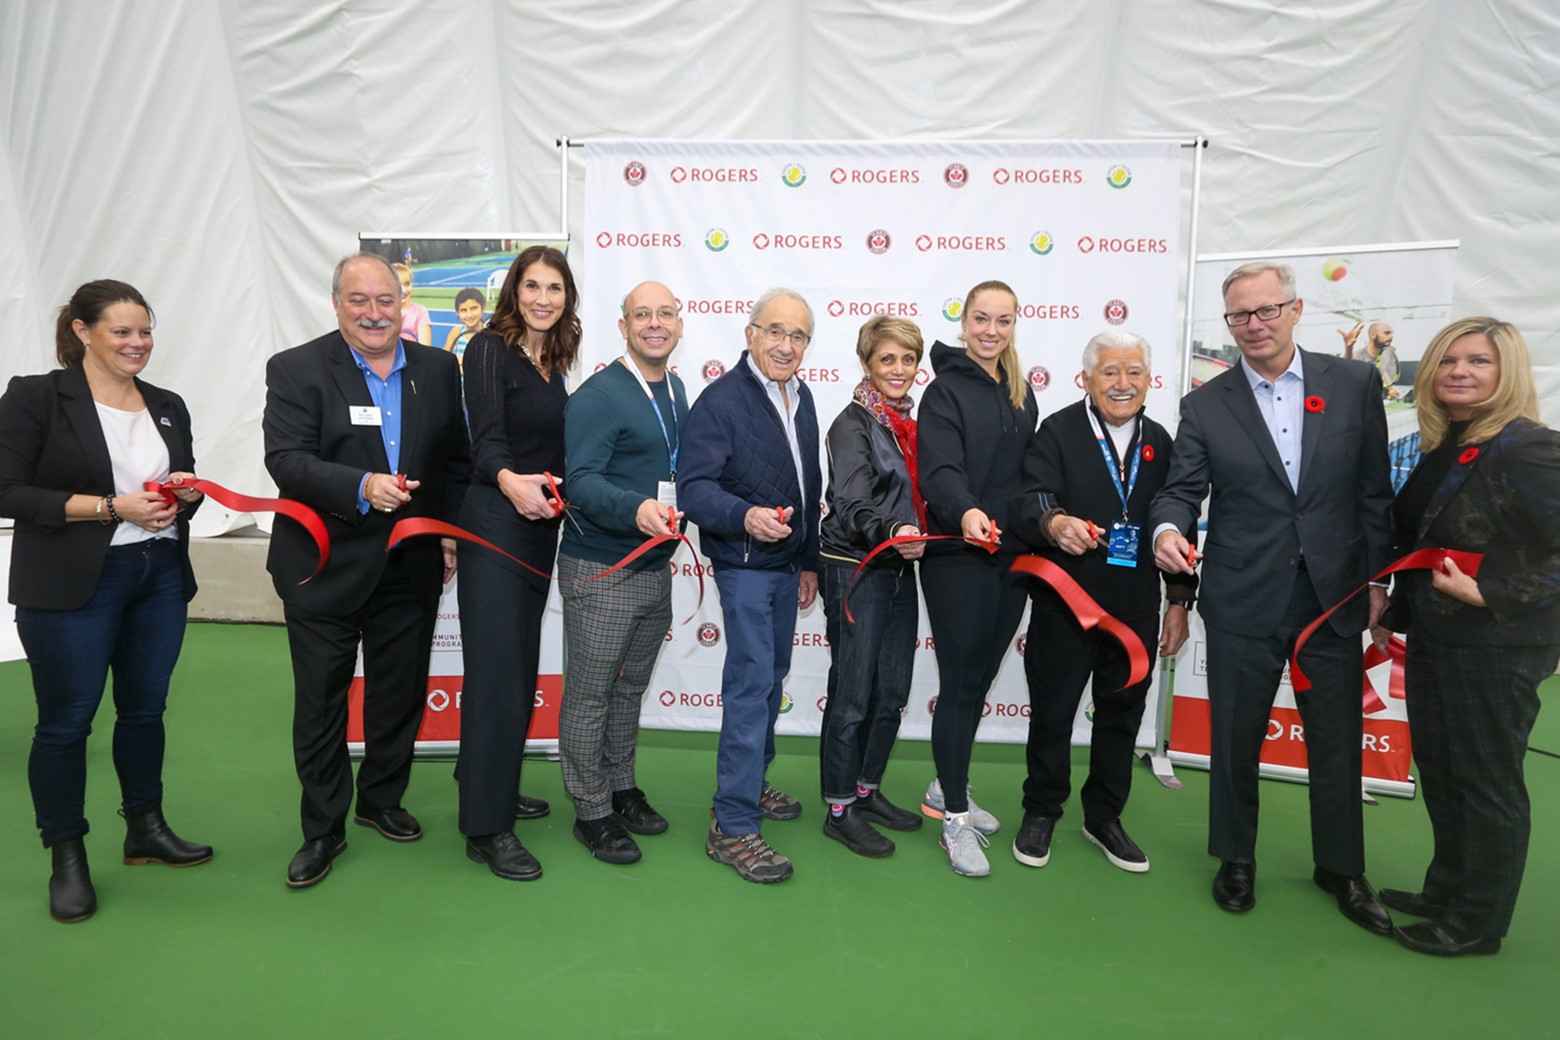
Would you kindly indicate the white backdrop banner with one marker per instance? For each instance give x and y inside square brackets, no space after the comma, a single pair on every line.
[1086,232]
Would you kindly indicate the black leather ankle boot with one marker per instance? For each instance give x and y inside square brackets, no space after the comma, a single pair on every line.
[148,839]
[71,897]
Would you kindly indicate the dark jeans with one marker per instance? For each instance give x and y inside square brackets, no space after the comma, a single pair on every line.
[134,625]
[870,663]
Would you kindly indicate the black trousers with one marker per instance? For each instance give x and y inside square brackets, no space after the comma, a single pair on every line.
[973,606]
[1243,677]
[1059,660]
[1470,711]
[395,627]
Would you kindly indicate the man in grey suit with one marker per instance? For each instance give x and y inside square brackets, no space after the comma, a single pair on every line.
[1294,445]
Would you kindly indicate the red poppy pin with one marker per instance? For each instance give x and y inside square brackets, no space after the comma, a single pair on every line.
[1468,455]
[1148,453]
[1315,404]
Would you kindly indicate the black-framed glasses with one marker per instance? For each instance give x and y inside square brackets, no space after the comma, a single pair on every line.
[1237,319]
[776,333]
[642,315]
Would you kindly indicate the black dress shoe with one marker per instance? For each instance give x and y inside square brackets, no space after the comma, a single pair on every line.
[1413,903]
[1356,899]
[607,840]
[504,856]
[149,839]
[1443,940]
[396,824]
[530,808]
[71,895]
[635,814]
[312,862]
[1235,886]
[881,811]
[852,830]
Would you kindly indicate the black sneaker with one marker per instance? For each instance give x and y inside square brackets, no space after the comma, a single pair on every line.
[880,810]
[1032,847]
[1121,850]
[607,840]
[852,830]
[635,814]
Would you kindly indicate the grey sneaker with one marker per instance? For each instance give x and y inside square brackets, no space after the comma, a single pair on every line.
[749,854]
[933,806]
[777,805]
[965,845]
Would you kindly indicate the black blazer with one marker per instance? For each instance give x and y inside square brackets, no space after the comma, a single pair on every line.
[52,447]
[1505,503]
[1257,524]
[318,457]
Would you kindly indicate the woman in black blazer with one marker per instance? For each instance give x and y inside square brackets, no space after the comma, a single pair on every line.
[1489,482]
[100,573]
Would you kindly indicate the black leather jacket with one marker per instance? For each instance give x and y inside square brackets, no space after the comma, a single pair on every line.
[868,496]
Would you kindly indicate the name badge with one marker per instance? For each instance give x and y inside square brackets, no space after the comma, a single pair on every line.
[365,415]
[666,493]
[1123,548]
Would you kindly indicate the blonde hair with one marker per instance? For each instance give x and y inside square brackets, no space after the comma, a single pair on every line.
[403,274]
[879,327]
[1515,395]
[1008,362]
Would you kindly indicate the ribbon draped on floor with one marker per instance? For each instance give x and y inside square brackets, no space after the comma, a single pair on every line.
[295,511]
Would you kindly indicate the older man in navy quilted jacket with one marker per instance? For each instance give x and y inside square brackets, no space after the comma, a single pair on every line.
[749,478]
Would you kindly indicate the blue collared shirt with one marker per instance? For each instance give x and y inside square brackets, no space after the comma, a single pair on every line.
[386,395]
[1282,404]
[787,409]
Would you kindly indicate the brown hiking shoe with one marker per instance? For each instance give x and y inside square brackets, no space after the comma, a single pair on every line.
[777,805]
[749,854]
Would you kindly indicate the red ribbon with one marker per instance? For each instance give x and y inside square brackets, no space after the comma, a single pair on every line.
[1396,652]
[295,511]
[651,543]
[910,539]
[1089,613]
[417,526]
[1418,560]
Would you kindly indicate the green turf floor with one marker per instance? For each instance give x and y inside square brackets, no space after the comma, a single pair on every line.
[414,940]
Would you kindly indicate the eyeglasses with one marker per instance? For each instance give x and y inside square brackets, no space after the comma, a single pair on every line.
[776,333]
[1238,319]
[642,315]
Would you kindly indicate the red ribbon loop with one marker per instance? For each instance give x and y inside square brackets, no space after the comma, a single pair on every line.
[1089,613]
[294,511]
[419,526]
[910,539]
[1396,652]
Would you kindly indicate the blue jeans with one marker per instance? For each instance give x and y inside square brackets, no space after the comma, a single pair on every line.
[870,663]
[133,624]
[760,614]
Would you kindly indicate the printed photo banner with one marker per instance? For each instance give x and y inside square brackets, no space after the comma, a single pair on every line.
[1086,233]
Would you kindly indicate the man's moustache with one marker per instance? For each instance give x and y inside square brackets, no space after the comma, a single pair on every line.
[373,324]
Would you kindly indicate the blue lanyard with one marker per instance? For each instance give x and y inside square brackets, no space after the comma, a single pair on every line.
[1103,439]
[671,449]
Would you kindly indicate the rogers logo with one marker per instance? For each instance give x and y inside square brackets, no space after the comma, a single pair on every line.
[679,174]
[840,175]
[668,698]
[1001,175]
[639,239]
[760,241]
[824,700]
[1126,245]
[763,241]
[957,175]
[931,706]
[715,174]
[1085,244]
[440,700]
[836,308]
[634,173]
[1005,710]
[837,175]
[1023,637]
[962,243]
[878,241]
[818,375]
[1116,312]
[692,306]
[711,371]
[1030,175]
[709,634]
[923,242]
[1049,311]
[868,308]
[690,700]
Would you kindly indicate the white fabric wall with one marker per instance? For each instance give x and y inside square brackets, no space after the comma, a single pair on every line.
[221,155]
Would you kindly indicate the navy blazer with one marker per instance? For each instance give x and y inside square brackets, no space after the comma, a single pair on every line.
[52,447]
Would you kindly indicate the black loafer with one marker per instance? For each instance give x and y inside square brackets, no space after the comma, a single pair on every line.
[881,811]
[852,830]
[530,808]
[504,856]
[1235,887]
[396,824]
[607,840]
[1413,903]
[1440,939]
[633,812]
[312,862]
[1356,900]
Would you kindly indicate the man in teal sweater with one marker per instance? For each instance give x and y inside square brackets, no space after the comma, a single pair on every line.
[622,431]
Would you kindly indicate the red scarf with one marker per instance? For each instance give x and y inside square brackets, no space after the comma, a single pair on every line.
[896,417]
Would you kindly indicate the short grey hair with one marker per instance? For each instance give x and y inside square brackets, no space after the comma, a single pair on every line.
[1286,275]
[771,295]
[335,277]
[1114,340]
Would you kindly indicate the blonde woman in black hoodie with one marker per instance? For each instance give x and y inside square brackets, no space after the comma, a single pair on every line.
[976,420]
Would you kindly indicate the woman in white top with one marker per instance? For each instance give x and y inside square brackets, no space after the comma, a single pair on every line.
[100,573]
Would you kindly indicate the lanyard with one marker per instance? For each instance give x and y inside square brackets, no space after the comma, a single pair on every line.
[1103,440]
[672,450]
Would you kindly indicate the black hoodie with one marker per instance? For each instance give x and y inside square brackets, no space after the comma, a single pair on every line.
[971,448]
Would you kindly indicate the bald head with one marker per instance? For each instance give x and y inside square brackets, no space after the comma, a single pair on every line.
[1380,336]
[650,327]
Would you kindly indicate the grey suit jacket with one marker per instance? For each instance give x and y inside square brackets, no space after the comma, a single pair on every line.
[1258,526]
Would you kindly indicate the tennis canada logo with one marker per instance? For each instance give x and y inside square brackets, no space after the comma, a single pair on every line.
[786,703]
[634,173]
[1041,243]
[953,308]
[794,175]
[878,241]
[957,175]
[712,371]
[1116,312]
[1118,176]
[716,239]
[1039,379]
[709,634]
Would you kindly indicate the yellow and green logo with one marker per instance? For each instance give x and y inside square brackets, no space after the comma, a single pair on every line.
[1118,176]
[953,308]
[786,703]
[1041,242]
[716,239]
[793,175]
